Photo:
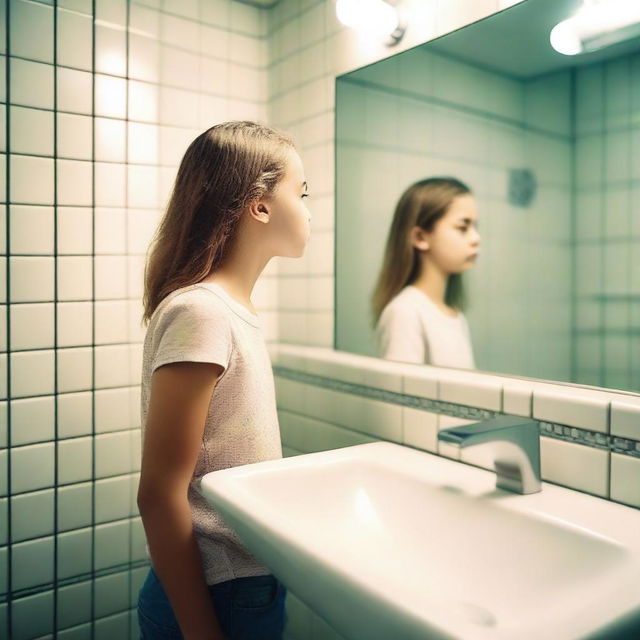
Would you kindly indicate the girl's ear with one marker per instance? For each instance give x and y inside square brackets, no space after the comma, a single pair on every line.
[259,211]
[419,238]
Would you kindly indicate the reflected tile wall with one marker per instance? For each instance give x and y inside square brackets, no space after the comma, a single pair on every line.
[101,99]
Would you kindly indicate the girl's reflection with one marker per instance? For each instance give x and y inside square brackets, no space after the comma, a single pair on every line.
[418,299]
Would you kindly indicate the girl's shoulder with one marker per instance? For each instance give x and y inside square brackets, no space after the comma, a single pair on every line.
[191,301]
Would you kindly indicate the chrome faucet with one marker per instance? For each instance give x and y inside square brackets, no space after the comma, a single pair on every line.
[515,443]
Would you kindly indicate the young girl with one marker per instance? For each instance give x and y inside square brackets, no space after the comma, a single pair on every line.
[418,299]
[208,398]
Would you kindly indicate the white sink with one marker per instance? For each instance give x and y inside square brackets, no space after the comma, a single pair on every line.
[387,542]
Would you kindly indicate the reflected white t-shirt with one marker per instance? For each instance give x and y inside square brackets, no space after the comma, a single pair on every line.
[412,328]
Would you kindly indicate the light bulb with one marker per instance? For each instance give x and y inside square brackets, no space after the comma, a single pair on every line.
[597,25]
[375,17]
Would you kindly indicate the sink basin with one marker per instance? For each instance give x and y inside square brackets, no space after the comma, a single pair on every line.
[388,542]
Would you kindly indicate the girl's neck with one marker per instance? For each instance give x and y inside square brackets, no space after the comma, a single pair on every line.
[238,274]
[433,282]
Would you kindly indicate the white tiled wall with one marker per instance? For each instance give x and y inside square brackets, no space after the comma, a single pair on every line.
[85,194]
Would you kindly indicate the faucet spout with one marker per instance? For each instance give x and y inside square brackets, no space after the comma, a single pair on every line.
[515,442]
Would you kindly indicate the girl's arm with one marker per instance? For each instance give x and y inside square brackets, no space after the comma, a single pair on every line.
[178,405]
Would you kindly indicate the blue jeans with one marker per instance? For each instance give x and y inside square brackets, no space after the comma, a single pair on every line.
[247,609]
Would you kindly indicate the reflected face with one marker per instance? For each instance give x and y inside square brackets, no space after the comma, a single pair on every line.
[289,217]
[454,241]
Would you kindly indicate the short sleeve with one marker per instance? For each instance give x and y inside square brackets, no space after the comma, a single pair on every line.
[193,330]
[400,336]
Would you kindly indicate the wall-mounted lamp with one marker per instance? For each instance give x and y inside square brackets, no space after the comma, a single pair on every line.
[376,18]
[597,24]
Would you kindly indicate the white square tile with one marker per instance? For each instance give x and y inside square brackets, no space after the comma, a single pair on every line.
[74,608]
[31,30]
[143,143]
[142,186]
[31,131]
[75,547]
[471,390]
[625,479]
[110,184]
[74,230]
[32,420]
[420,429]
[75,137]
[143,101]
[75,182]
[32,515]
[75,46]
[574,465]
[112,366]
[144,20]
[421,381]
[135,280]
[178,107]
[144,58]
[74,91]
[625,418]
[112,410]
[113,502]
[173,142]
[74,323]
[111,320]
[110,139]
[31,565]
[31,279]
[179,32]
[141,225]
[572,406]
[110,231]
[74,414]
[74,460]
[31,326]
[113,11]
[23,222]
[75,278]
[31,180]
[110,96]
[74,369]
[111,50]
[31,374]
[3,124]
[112,549]
[179,68]
[110,277]
[517,398]
[113,455]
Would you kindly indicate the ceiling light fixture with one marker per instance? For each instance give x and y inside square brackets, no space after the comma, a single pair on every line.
[375,18]
[597,24]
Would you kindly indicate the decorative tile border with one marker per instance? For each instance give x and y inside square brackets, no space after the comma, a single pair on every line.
[552,430]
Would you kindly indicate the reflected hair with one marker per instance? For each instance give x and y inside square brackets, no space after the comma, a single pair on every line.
[223,170]
[421,205]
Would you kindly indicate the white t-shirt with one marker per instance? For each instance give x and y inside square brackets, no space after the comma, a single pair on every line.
[203,323]
[412,328]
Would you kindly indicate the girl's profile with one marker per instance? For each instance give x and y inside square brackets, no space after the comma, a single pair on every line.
[208,398]
[418,300]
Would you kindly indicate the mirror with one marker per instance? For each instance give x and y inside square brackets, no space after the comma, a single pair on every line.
[549,146]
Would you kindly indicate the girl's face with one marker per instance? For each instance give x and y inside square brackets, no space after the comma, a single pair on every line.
[453,244]
[289,220]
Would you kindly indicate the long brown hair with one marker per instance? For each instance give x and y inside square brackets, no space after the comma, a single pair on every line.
[422,205]
[222,171]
